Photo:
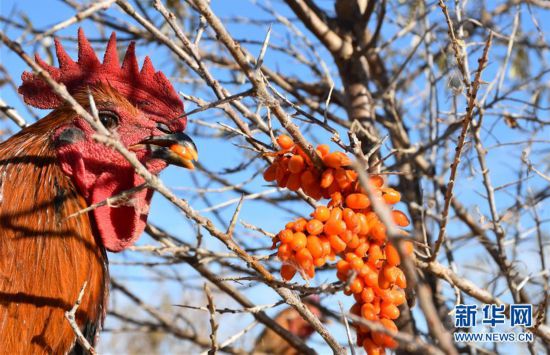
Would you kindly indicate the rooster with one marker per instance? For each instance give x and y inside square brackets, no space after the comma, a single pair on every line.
[54,168]
[270,343]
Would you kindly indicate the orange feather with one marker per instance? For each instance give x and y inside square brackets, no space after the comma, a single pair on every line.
[44,257]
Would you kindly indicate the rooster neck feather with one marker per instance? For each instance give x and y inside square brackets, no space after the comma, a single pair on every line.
[45,257]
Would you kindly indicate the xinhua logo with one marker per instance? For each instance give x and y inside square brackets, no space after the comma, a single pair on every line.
[493,315]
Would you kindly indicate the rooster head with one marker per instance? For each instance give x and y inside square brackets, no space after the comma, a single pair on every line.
[138,106]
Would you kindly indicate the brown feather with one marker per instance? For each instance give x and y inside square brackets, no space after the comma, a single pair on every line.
[44,257]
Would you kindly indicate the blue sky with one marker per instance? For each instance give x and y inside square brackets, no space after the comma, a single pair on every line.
[219,154]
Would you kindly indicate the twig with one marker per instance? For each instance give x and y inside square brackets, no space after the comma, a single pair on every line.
[70,315]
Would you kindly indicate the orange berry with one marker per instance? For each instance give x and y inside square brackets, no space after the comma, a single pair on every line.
[390,273]
[354,242]
[314,246]
[337,244]
[336,213]
[400,218]
[395,296]
[370,276]
[375,254]
[294,182]
[296,164]
[308,178]
[336,160]
[286,236]
[401,280]
[321,213]
[368,312]
[389,310]
[357,201]
[284,252]
[327,249]
[392,256]
[289,225]
[318,262]
[391,196]
[322,149]
[285,141]
[314,227]
[357,263]
[299,241]
[300,225]
[327,178]
[364,226]
[371,348]
[356,285]
[383,339]
[377,181]
[346,236]
[367,295]
[270,174]
[378,232]
[362,249]
[335,198]
[304,258]
[341,178]
[287,272]
[343,266]
[334,227]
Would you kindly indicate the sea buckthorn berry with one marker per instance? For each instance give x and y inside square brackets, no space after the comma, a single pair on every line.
[294,182]
[371,348]
[354,242]
[304,258]
[368,312]
[300,225]
[356,285]
[336,213]
[362,249]
[296,164]
[386,340]
[376,181]
[335,227]
[327,249]
[307,178]
[341,178]
[322,149]
[401,280]
[389,310]
[335,199]
[286,236]
[299,241]
[357,263]
[284,252]
[390,273]
[270,174]
[375,254]
[336,160]
[395,296]
[285,142]
[337,244]
[314,246]
[400,218]
[357,201]
[392,256]
[289,225]
[314,227]
[367,295]
[321,213]
[378,232]
[364,226]
[318,262]
[327,178]
[391,196]
[346,236]
[370,276]
[287,272]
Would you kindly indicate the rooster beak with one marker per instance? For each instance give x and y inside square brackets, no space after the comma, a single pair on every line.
[174,148]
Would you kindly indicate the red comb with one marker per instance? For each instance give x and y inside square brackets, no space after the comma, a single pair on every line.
[139,87]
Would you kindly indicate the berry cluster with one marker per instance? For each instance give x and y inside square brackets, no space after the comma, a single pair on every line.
[347,230]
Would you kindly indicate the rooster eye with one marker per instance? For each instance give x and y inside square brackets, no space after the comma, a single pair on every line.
[108,119]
